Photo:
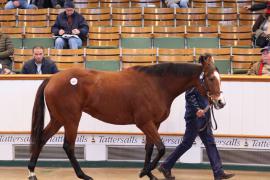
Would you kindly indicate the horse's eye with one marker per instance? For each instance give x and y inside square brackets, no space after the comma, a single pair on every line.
[211,79]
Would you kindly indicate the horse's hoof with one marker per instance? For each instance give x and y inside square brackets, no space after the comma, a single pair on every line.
[32,178]
[87,178]
[143,173]
[153,177]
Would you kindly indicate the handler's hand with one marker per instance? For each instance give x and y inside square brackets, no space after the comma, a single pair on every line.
[61,32]
[200,113]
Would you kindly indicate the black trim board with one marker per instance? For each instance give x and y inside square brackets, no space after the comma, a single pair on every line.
[123,164]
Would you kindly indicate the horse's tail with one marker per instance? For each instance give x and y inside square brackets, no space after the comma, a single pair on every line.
[38,116]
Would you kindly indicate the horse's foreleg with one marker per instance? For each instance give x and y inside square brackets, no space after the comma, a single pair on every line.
[151,132]
[69,144]
[149,150]
[48,132]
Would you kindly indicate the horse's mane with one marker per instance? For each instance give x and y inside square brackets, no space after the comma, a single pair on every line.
[176,69]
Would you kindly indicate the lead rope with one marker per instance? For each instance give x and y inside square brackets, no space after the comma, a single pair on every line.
[209,122]
[214,119]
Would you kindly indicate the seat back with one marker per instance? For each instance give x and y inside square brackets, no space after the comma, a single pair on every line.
[136,37]
[134,57]
[159,17]
[33,17]
[190,16]
[8,18]
[67,58]
[103,59]
[222,57]
[127,16]
[38,36]
[175,55]
[104,37]
[243,58]
[202,37]
[169,37]
[97,17]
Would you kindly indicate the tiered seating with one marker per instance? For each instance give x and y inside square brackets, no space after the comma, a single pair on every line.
[142,37]
[228,60]
[133,16]
[182,32]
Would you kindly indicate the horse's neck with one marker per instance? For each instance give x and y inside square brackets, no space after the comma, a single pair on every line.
[173,87]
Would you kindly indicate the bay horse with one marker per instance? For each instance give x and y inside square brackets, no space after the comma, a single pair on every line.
[138,95]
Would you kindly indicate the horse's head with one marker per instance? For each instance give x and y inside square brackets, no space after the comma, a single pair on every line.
[211,81]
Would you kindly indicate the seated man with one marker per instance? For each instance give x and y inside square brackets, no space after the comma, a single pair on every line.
[262,67]
[39,64]
[48,3]
[6,50]
[5,70]
[70,28]
[177,3]
[21,4]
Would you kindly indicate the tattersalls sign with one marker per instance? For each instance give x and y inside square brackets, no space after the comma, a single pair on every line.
[99,143]
[107,139]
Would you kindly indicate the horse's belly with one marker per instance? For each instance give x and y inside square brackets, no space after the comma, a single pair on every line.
[115,118]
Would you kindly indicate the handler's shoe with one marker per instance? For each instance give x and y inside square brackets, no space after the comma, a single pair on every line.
[224,176]
[166,173]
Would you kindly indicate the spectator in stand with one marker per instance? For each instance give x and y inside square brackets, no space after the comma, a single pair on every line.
[262,67]
[5,70]
[70,28]
[261,28]
[6,50]
[48,3]
[39,64]
[177,3]
[21,4]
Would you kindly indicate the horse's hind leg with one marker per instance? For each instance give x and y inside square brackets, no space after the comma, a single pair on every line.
[69,145]
[48,132]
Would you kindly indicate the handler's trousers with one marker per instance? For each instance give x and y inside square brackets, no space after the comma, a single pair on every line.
[192,130]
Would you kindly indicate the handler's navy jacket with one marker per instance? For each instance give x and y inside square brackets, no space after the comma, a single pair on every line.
[195,101]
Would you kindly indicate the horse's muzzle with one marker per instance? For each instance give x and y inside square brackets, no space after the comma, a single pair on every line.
[219,103]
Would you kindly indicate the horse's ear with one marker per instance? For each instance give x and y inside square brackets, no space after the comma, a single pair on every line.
[206,60]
